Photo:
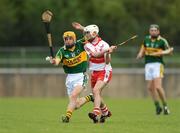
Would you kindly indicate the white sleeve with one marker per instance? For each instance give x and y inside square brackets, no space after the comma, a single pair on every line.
[88,48]
[106,46]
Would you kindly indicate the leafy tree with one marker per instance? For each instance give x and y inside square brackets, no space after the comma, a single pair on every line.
[20,20]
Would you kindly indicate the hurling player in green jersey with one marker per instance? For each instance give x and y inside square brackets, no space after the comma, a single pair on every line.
[153,48]
[74,60]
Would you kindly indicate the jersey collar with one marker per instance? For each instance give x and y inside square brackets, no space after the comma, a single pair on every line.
[96,43]
[158,38]
[70,49]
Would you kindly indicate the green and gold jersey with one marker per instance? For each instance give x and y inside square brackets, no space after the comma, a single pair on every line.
[74,61]
[152,46]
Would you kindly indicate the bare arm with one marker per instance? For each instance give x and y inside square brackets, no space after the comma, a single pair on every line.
[78,26]
[107,58]
[108,54]
[141,53]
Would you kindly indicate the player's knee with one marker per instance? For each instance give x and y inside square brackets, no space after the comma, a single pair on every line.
[73,97]
[151,89]
[158,88]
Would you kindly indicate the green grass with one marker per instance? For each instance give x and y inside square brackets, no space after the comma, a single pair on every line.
[32,115]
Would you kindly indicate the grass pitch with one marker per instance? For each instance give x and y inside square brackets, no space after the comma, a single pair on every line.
[32,115]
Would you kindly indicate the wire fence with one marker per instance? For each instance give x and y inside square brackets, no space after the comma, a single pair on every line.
[124,57]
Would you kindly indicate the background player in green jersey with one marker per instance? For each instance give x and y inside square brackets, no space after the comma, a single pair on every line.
[152,49]
[74,60]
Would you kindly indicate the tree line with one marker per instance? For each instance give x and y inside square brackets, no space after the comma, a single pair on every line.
[20,20]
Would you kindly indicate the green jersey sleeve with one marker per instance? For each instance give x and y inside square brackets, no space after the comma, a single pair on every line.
[82,40]
[166,44]
[81,43]
[59,54]
[145,40]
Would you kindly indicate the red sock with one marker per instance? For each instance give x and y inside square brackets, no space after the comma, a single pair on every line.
[97,111]
[104,110]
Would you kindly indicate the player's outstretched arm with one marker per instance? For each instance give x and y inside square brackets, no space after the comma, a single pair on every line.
[112,48]
[77,26]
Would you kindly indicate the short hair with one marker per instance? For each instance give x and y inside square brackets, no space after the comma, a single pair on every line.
[154,26]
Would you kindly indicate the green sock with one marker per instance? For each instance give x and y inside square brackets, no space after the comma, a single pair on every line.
[156,103]
[164,104]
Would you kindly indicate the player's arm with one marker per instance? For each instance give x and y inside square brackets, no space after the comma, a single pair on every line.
[167,49]
[78,26]
[141,52]
[56,61]
[107,58]
[108,54]
[163,52]
[101,53]
[98,54]
[82,41]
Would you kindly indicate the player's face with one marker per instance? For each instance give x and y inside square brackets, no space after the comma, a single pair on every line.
[69,41]
[154,32]
[89,36]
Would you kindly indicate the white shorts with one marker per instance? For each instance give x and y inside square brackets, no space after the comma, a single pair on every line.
[72,80]
[154,70]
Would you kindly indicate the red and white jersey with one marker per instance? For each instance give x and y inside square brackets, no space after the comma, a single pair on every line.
[97,63]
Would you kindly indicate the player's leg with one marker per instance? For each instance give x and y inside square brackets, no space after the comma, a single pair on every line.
[154,95]
[75,102]
[94,76]
[83,100]
[149,76]
[105,111]
[97,100]
[153,92]
[161,92]
[104,108]
[158,75]
[73,95]
[75,84]
[103,78]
